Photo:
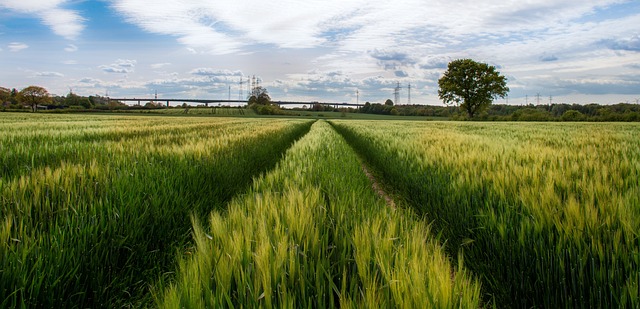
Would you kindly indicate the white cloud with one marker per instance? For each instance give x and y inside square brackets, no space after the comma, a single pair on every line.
[49,74]
[71,48]
[126,63]
[225,27]
[113,69]
[17,46]
[120,66]
[63,22]
[159,65]
[214,72]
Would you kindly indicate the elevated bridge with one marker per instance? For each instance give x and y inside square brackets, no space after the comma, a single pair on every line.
[309,104]
[206,102]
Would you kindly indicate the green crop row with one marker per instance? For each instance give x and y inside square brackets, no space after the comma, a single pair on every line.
[313,233]
[93,208]
[546,214]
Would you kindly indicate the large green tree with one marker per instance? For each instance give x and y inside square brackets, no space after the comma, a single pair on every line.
[471,84]
[34,95]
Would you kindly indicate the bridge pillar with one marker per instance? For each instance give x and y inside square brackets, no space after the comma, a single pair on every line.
[167,103]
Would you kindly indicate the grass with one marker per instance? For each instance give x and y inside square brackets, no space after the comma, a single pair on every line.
[313,233]
[140,210]
[546,214]
[94,207]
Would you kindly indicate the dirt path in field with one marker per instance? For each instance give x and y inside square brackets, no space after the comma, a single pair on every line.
[377,187]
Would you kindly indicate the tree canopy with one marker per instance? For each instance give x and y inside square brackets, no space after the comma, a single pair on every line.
[5,95]
[259,95]
[73,99]
[471,84]
[34,95]
[260,102]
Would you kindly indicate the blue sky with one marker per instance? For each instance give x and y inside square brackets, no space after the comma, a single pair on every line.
[574,51]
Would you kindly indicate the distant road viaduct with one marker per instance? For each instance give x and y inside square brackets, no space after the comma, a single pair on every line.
[207,102]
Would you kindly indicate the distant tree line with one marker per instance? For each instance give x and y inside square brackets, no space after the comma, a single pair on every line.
[564,112]
[34,98]
[37,98]
[497,112]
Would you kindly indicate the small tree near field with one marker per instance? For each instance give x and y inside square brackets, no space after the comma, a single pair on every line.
[259,95]
[471,84]
[260,102]
[34,95]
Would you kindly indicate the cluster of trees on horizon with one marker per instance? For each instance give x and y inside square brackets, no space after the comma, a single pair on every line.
[500,112]
[35,98]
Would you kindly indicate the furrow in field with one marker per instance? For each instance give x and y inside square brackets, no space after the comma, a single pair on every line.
[378,187]
[313,233]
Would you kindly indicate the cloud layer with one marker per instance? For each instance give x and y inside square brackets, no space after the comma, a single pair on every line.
[332,49]
[63,22]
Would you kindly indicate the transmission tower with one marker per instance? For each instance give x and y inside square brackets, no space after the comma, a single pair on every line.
[396,94]
[255,84]
[248,86]
[409,98]
[240,91]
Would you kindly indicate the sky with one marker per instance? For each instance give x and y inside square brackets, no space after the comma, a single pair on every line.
[570,51]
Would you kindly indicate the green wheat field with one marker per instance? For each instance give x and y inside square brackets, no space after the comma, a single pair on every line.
[232,212]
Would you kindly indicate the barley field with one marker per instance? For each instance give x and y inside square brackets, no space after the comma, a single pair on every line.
[313,233]
[220,212]
[95,207]
[547,215]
